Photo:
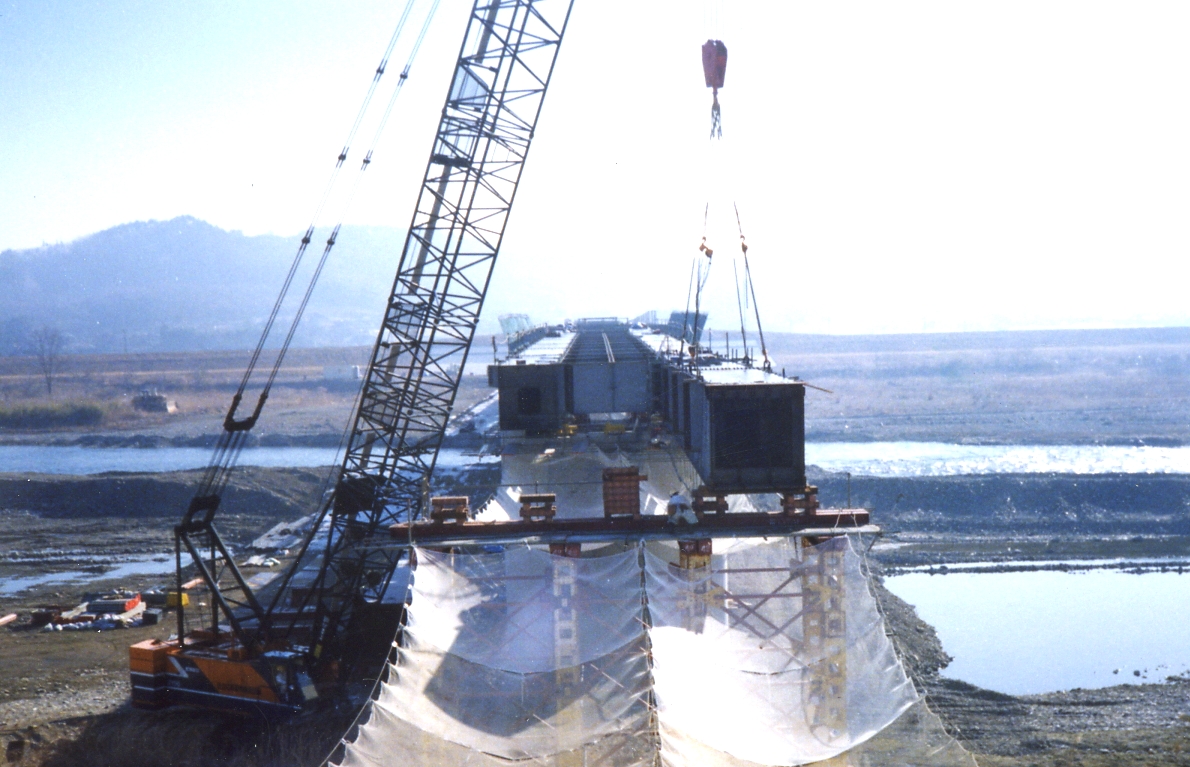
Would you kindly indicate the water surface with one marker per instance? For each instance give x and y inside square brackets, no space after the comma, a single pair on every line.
[931,459]
[53,459]
[152,564]
[1042,631]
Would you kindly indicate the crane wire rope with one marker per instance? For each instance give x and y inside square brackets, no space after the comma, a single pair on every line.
[233,439]
[751,286]
[330,243]
[328,189]
[704,273]
[686,315]
[324,501]
[739,303]
[714,61]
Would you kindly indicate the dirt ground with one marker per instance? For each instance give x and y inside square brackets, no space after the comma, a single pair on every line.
[64,694]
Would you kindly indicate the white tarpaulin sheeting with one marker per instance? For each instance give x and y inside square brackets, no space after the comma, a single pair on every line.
[773,655]
[519,655]
[789,645]
[518,716]
[388,741]
[501,610]
[916,739]
[576,478]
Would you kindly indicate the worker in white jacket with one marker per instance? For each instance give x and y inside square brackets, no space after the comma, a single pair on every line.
[679,510]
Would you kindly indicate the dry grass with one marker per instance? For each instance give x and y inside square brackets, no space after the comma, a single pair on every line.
[201,383]
[51,416]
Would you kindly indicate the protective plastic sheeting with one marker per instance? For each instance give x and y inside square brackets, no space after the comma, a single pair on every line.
[774,655]
[386,740]
[504,610]
[516,655]
[518,716]
[915,739]
[771,655]
[575,475]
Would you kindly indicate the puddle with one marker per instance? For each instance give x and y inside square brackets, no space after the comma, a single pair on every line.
[156,564]
[1032,632]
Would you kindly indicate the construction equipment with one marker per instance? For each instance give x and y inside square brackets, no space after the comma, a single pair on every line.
[324,625]
[254,655]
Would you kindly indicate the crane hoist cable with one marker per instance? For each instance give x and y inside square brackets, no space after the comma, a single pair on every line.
[698,281]
[199,515]
[714,68]
[231,425]
[740,303]
[704,273]
[233,439]
[686,315]
[750,286]
[330,243]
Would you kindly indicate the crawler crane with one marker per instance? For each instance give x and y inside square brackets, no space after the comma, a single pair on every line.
[274,656]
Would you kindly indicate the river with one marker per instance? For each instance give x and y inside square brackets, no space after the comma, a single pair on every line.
[1018,633]
[53,459]
[877,459]
[934,459]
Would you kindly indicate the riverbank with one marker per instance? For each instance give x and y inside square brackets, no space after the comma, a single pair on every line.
[70,688]
[71,719]
[1092,387]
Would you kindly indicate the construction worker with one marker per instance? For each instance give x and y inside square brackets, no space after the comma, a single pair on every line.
[679,510]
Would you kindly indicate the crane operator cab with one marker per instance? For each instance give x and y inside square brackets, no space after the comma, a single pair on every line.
[290,677]
[217,675]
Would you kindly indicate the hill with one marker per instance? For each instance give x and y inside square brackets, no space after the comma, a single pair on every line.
[184,284]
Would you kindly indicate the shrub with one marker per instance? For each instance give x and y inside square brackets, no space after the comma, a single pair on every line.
[50,416]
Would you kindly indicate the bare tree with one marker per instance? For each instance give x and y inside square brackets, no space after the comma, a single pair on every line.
[47,345]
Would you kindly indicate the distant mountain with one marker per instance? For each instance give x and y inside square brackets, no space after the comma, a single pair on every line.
[187,285]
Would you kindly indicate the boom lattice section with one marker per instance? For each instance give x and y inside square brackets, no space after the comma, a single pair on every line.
[483,138]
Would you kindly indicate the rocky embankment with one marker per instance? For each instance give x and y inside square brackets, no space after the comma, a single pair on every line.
[1020,504]
[268,492]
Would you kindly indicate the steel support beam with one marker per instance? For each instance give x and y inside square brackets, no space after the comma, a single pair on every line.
[827,523]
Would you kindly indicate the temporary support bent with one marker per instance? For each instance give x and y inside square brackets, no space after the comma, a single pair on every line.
[824,523]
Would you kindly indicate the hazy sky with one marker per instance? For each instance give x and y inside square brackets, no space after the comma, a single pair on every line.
[899,166]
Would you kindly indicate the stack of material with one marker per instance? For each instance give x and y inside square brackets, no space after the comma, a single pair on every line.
[116,602]
[621,491]
[774,654]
